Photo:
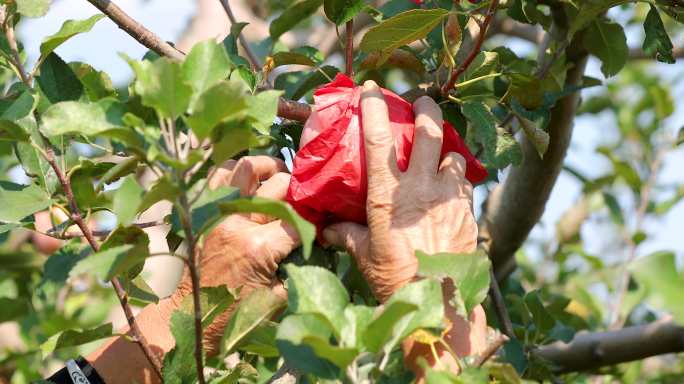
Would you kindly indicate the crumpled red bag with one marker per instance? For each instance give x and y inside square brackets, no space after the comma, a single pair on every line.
[328,182]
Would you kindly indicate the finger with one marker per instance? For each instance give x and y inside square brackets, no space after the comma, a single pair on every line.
[279,239]
[381,158]
[427,141]
[312,128]
[274,188]
[350,236]
[249,171]
[453,167]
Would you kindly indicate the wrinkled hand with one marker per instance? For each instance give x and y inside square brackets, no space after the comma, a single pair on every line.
[244,250]
[427,208]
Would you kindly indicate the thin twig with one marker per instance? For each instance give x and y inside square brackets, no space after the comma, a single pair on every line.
[186,222]
[474,51]
[77,218]
[52,232]
[349,48]
[500,306]
[490,350]
[12,42]
[253,59]
[616,321]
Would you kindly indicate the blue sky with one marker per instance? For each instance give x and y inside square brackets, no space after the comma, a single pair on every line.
[100,48]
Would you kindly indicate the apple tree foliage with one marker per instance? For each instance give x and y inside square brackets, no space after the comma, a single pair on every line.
[102,136]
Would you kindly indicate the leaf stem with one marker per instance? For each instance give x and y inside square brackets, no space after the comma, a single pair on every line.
[475,80]
[349,48]
[474,51]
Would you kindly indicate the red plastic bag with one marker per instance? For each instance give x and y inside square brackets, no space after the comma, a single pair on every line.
[328,183]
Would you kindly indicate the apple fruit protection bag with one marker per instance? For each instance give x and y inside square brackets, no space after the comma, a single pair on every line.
[329,181]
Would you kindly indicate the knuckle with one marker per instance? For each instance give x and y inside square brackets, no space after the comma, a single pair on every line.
[429,131]
[281,178]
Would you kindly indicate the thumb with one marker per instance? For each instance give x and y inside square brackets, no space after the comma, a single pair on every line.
[350,236]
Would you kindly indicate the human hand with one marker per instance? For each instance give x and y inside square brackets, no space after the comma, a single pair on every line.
[427,208]
[244,250]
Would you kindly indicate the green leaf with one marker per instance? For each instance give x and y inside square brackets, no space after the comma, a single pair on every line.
[606,40]
[542,319]
[56,268]
[538,137]
[18,106]
[658,273]
[312,289]
[298,355]
[179,363]
[588,12]
[300,56]
[122,253]
[72,338]
[58,81]
[75,117]
[356,320]
[388,325]
[163,189]
[106,264]
[205,65]
[13,309]
[138,291]
[161,85]
[278,209]
[205,211]
[292,16]
[126,200]
[263,109]
[400,30]
[656,42]
[211,107]
[470,273]
[19,201]
[339,356]
[341,11]
[427,295]
[213,302]
[33,8]
[230,42]
[69,29]
[252,311]
[97,84]
[298,84]
[614,208]
[262,340]
[231,138]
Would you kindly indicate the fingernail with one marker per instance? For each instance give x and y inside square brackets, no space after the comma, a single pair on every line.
[328,234]
[369,85]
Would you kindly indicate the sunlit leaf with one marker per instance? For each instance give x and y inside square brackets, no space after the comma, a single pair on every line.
[316,290]
[401,29]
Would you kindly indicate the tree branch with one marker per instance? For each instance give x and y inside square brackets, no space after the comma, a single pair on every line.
[515,206]
[287,109]
[474,50]
[245,45]
[136,30]
[77,218]
[593,350]
[639,54]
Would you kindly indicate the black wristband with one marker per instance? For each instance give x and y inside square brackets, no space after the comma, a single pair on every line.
[62,376]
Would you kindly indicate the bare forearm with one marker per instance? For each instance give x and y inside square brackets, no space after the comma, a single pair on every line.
[121,360]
